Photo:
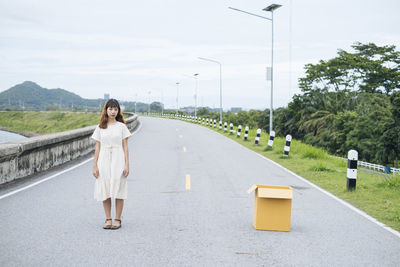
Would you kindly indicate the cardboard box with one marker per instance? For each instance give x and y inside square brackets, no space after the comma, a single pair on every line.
[272,207]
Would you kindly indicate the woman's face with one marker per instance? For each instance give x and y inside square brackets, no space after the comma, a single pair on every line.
[112,112]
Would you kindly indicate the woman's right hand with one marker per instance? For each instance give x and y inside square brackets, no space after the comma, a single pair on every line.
[95,171]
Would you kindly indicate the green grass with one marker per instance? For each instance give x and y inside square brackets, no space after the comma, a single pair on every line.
[377,195]
[36,123]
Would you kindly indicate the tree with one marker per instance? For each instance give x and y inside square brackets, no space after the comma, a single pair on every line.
[389,142]
[156,106]
[370,68]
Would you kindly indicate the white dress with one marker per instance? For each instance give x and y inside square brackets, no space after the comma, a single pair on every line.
[111,162]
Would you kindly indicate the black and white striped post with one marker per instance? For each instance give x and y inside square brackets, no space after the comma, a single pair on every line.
[220,125]
[210,123]
[352,157]
[215,123]
[225,126]
[246,133]
[239,131]
[271,138]
[258,134]
[287,145]
[231,128]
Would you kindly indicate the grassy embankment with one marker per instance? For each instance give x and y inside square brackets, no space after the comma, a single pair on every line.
[376,194]
[37,123]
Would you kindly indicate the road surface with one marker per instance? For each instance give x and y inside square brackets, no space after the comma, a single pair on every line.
[168,221]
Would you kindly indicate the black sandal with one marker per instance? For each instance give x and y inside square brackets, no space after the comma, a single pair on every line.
[114,227]
[107,226]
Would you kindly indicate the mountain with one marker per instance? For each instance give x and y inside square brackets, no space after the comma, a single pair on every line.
[30,96]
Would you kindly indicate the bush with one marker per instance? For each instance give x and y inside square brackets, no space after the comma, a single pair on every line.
[320,167]
[313,153]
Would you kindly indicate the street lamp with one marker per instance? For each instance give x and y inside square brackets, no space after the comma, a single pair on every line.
[149,102]
[220,84]
[135,102]
[177,93]
[162,102]
[195,95]
[195,92]
[271,9]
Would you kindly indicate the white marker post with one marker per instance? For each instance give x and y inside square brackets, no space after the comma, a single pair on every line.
[239,131]
[271,139]
[220,125]
[225,126]
[246,133]
[231,128]
[257,136]
[287,145]
[352,157]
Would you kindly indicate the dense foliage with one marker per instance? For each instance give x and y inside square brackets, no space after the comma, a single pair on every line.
[348,102]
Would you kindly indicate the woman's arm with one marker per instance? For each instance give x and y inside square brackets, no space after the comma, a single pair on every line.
[96,157]
[126,152]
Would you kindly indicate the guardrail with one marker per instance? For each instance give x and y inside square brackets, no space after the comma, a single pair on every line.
[375,167]
[31,155]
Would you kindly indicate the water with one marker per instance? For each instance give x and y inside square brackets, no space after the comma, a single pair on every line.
[7,137]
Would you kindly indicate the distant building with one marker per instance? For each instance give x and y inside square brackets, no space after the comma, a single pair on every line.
[235,109]
[188,109]
[106,96]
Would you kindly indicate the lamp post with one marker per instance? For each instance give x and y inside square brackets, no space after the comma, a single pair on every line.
[195,92]
[271,9]
[220,84]
[177,93]
[162,102]
[195,95]
[149,102]
[135,102]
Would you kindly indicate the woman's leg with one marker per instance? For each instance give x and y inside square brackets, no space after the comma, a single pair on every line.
[107,209]
[119,205]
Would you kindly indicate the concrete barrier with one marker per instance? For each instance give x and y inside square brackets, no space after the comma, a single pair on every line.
[35,154]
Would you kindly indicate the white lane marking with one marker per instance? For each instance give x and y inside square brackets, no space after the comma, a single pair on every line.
[55,175]
[187,181]
[360,212]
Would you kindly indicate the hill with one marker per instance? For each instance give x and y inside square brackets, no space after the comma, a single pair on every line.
[30,96]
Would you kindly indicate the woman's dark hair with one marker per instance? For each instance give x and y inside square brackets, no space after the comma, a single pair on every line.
[104,116]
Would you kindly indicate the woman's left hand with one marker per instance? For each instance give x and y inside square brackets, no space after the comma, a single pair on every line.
[126,171]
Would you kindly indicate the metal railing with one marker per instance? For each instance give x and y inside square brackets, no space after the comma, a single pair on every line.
[375,167]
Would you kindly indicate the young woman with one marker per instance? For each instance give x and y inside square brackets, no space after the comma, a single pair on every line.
[111,161]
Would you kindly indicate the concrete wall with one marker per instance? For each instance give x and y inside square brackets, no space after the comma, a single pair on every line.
[35,154]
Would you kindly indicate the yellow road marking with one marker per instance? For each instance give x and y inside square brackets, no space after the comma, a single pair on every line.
[187,181]
[184,149]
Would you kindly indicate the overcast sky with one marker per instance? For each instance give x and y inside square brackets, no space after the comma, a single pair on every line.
[131,48]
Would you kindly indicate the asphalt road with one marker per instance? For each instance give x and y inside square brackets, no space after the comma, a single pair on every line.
[164,223]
